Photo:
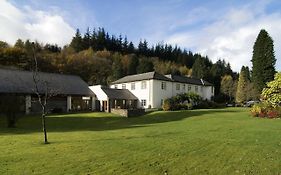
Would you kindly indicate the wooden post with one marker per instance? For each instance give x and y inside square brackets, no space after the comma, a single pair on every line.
[93,103]
[108,105]
[68,104]
[27,104]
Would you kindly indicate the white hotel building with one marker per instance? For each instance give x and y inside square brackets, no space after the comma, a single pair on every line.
[152,88]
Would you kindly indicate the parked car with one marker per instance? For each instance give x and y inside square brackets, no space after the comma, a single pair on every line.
[250,103]
[230,104]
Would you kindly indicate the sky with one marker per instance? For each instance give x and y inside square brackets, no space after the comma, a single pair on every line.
[219,29]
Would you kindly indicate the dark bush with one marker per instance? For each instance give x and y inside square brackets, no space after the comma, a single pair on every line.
[206,104]
[57,110]
[10,106]
[186,101]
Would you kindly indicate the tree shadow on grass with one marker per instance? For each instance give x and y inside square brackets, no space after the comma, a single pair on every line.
[101,121]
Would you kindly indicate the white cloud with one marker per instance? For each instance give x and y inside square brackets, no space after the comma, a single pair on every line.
[32,24]
[232,36]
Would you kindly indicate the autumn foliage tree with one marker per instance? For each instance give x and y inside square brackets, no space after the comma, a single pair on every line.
[272,93]
[227,86]
[242,86]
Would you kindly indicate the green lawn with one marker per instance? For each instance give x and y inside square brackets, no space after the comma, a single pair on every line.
[219,141]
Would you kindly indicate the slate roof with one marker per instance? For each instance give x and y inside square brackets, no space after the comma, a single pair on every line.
[21,82]
[119,94]
[157,76]
[188,80]
[143,76]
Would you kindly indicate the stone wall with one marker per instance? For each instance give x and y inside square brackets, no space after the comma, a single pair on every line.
[128,112]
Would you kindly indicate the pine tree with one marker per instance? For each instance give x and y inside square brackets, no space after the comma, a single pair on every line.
[145,66]
[117,68]
[199,68]
[131,48]
[242,86]
[133,64]
[77,43]
[247,73]
[19,44]
[94,40]
[101,43]
[87,39]
[263,60]
[125,45]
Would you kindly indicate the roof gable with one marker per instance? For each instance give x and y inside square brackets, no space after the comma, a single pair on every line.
[140,77]
[119,94]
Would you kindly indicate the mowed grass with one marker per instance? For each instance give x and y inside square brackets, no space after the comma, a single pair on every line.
[218,141]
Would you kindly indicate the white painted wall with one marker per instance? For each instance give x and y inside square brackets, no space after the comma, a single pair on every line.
[68,104]
[101,96]
[154,94]
[141,94]
[160,94]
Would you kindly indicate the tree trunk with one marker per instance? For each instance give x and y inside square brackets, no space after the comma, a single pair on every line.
[44,127]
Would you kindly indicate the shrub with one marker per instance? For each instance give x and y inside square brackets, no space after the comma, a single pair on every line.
[186,101]
[256,110]
[206,104]
[168,104]
[271,94]
[265,110]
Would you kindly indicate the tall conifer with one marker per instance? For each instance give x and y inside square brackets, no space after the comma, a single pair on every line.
[263,60]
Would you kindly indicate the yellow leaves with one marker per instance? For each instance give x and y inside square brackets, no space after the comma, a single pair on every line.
[272,93]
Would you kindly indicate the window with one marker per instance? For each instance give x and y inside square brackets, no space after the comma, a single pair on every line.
[201,88]
[178,87]
[183,87]
[123,86]
[163,85]
[143,85]
[133,86]
[115,86]
[189,88]
[196,88]
[143,102]
[162,102]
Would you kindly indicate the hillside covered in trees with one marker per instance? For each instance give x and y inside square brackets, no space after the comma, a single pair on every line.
[100,58]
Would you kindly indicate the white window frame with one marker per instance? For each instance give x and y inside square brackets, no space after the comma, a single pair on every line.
[196,88]
[116,86]
[133,86]
[178,86]
[123,86]
[143,102]
[143,85]
[189,88]
[183,87]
